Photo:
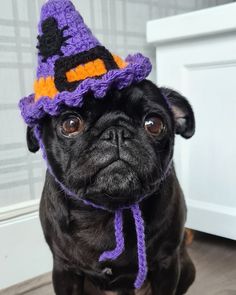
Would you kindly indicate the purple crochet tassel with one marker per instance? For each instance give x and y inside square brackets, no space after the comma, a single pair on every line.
[120,244]
[142,259]
[141,247]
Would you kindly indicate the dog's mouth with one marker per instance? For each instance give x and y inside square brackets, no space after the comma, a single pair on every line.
[117,177]
[116,167]
[117,183]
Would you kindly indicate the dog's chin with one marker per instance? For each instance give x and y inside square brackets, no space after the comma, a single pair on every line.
[114,186]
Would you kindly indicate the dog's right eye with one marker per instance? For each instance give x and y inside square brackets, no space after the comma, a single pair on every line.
[72,126]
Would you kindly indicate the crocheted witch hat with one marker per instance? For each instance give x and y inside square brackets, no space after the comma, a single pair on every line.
[72,62]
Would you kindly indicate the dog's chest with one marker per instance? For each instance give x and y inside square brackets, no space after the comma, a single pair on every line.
[95,234]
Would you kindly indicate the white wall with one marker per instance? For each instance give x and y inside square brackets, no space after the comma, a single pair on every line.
[199,60]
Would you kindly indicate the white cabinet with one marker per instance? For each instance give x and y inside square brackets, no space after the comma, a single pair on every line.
[196,54]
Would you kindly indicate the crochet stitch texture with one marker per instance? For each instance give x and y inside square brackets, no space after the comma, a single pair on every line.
[80,64]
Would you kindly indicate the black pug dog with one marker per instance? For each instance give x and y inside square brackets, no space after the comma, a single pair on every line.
[114,151]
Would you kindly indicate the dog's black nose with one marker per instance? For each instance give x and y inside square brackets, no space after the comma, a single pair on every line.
[116,135]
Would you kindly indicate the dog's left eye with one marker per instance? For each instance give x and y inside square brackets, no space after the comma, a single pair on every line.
[154,125]
[72,126]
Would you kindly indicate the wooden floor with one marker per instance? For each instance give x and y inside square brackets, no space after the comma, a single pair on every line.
[215,260]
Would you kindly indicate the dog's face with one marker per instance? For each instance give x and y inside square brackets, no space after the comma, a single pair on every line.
[114,151]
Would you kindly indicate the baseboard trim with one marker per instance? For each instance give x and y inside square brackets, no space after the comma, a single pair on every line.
[27,286]
[212,219]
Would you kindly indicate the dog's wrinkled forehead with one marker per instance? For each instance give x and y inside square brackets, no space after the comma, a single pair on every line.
[135,101]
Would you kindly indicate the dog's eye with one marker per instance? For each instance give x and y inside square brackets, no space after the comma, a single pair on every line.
[72,126]
[154,125]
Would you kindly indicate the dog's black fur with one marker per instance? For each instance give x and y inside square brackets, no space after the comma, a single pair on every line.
[115,162]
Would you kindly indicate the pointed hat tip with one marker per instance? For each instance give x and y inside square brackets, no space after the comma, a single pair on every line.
[51,1]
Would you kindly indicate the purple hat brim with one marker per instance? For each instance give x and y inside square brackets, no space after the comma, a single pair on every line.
[137,70]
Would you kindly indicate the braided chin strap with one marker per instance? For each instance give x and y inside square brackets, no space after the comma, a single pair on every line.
[118,223]
[120,241]
[120,245]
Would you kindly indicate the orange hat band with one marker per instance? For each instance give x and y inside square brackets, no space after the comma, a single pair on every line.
[46,86]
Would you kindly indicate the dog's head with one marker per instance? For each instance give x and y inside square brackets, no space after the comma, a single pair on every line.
[115,150]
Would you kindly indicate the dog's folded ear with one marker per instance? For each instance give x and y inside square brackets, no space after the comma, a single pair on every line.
[183,112]
[32,142]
